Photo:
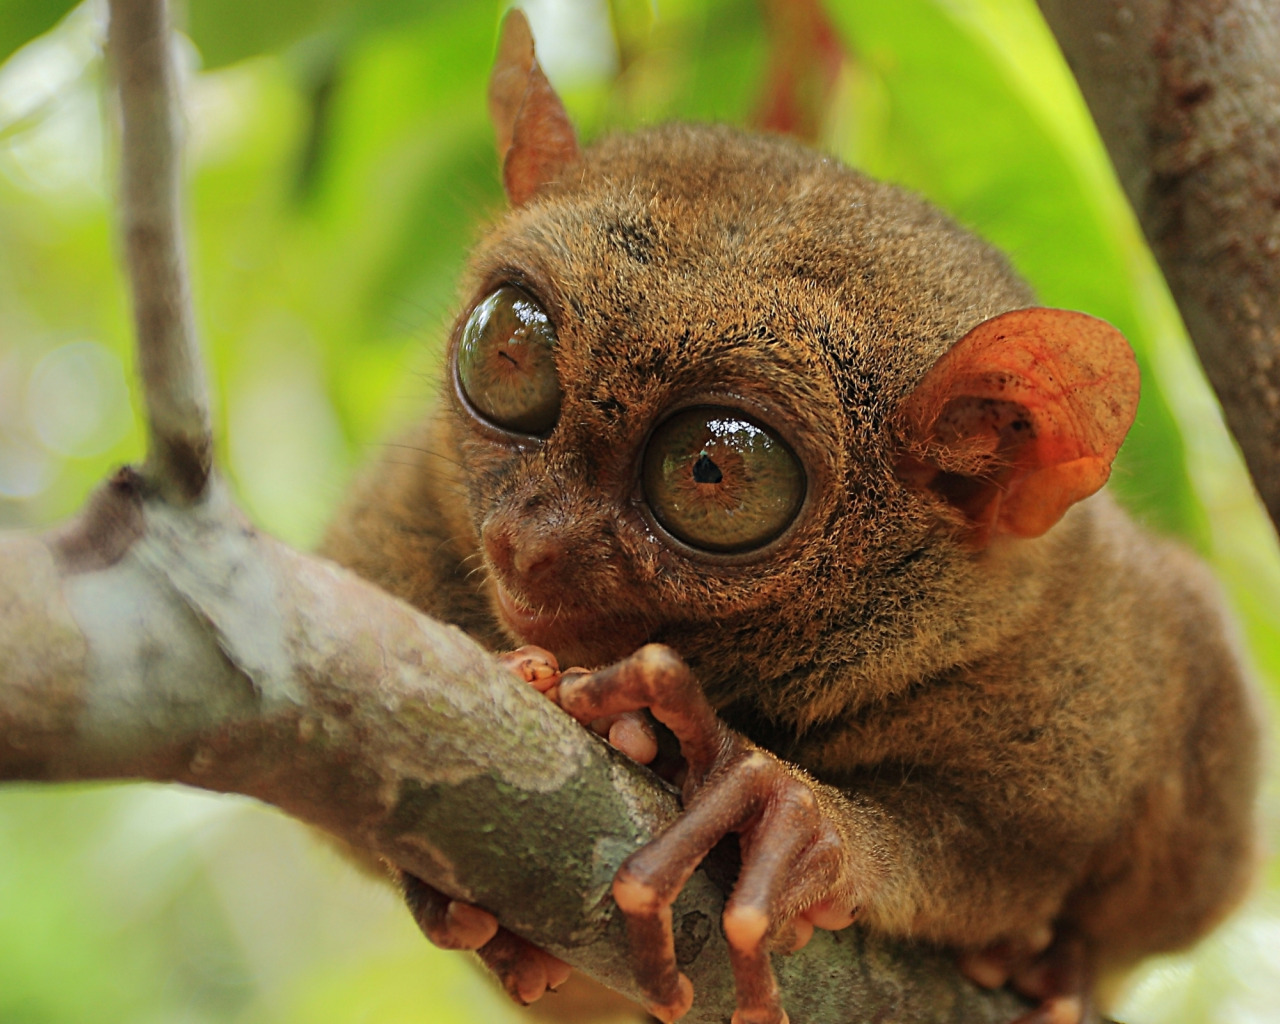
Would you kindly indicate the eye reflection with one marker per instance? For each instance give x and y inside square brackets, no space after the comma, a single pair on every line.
[506,362]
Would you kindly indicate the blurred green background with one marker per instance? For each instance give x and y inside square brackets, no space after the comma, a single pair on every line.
[340,165]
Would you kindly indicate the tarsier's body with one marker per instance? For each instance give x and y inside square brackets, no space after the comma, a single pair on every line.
[1029,735]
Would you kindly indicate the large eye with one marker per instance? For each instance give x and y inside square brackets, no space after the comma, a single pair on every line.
[506,362]
[720,481]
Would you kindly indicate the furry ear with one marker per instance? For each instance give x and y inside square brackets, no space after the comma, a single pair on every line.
[535,139]
[1020,419]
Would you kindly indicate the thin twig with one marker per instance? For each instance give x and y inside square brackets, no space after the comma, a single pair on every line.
[181,444]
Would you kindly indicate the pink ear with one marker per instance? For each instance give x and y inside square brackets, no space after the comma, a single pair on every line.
[535,139]
[1020,419]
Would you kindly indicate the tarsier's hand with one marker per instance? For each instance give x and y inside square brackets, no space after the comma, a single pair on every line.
[799,868]
[797,872]
[629,731]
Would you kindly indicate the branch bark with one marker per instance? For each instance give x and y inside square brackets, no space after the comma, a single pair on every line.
[1186,95]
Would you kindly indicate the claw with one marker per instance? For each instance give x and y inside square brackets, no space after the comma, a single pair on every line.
[535,665]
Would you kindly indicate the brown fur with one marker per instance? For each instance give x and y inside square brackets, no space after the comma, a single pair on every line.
[1034,731]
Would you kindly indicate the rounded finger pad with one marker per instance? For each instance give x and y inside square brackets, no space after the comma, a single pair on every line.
[469,926]
[747,1017]
[633,736]
[745,927]
[557,970]
[983,969]
[801,932]
[635,895]
[675,1008]
[444,921]
[1063,1010]
[519,966]
[830,916]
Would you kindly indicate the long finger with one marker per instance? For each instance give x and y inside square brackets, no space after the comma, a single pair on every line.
[650,879]
[654,678]
[448,923]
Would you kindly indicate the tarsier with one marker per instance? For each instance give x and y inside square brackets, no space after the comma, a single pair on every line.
[717,392]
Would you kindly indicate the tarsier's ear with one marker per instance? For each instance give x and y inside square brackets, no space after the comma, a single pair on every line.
[1020,419]
[535,139]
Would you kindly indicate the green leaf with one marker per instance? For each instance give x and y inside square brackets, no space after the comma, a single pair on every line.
[227,31]
[22,20]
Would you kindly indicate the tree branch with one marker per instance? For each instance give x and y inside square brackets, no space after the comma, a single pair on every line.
[1186,94]
[180,453]
[182,645]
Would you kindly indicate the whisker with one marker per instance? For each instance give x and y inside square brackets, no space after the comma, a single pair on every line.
[434,453]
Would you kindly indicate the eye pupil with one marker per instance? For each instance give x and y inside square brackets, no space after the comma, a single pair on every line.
[705,471]
[716,479]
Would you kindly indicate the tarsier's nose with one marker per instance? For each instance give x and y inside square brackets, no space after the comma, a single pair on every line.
[524,551]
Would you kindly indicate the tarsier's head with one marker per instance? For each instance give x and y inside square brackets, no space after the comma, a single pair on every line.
[718,390]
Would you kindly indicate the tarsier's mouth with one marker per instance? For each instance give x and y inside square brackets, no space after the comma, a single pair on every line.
[576,635]
[526,620]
